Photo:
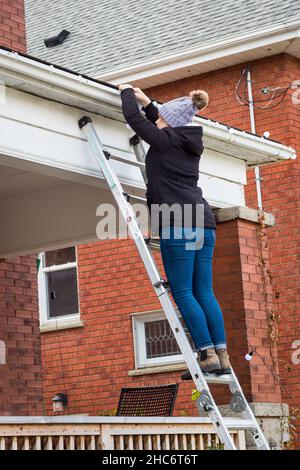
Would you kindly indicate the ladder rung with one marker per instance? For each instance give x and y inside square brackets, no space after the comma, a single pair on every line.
[219,379]
[153,243]
[225,379]
[132,196]
[154,247]
[128,162]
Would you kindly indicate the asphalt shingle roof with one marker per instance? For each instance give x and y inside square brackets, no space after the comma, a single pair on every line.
[110,34]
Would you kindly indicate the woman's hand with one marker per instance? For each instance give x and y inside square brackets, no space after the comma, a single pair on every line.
[141,97]
[125,85]
[139,94]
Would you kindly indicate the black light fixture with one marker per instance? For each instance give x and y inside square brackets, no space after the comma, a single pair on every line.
[58,39]
[60,400]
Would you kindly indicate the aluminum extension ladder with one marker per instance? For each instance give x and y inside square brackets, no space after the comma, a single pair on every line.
[205,401]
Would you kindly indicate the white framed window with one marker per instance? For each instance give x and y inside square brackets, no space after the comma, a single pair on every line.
[58,287]
[154,342]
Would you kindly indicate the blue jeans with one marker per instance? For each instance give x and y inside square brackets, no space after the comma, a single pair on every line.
[189,272]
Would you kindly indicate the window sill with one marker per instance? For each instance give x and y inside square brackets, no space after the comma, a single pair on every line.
[158,369]
[61,325]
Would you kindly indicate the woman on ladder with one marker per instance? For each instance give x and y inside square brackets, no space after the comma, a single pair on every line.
[172,168]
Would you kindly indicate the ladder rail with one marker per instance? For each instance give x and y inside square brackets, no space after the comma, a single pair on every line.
[206,400]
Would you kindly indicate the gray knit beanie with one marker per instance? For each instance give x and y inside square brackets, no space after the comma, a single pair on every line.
[181,111]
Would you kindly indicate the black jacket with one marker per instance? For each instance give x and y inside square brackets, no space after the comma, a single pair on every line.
[172,161]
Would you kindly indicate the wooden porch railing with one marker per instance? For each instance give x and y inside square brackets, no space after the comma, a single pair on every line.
[109,433]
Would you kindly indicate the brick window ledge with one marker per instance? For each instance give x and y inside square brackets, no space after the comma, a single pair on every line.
[61,325]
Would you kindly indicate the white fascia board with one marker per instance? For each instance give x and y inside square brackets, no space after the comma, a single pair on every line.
[47,81]
[208,52]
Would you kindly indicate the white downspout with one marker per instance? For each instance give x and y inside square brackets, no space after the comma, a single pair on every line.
[253,130]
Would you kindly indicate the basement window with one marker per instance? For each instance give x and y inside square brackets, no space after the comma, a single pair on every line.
[58,286]
[154,341]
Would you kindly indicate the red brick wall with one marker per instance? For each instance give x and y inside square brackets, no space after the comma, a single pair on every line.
[21,377]
[12,25]
[239,288]
[281,195]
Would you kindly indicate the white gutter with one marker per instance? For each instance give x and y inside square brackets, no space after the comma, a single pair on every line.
[50,76]
[210,51]
[245,140]
[73,90]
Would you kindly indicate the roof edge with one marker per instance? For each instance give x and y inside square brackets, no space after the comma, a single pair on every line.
[209,52]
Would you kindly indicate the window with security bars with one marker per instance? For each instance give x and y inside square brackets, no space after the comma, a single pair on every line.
[155,342]
[58,289]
